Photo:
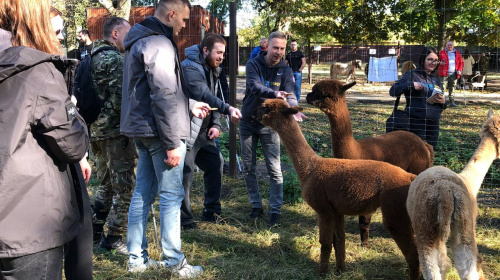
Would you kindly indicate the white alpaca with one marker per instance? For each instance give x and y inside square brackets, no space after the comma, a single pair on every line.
[442,205]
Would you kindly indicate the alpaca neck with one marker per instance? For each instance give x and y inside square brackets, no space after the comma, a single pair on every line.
[478,165]
[341,131]
[296,146]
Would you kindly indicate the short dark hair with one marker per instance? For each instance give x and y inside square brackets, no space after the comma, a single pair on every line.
[110,24]
[210,40]
[85,32]
[276,34]
[293,41]
[425,52]
[163,3]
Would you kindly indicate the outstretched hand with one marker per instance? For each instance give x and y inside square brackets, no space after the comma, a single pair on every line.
[299,117]
[200,110]
[235,114]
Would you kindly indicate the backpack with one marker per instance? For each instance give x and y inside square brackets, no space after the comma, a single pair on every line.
[88,102]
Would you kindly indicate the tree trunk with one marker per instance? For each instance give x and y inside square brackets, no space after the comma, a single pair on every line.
[122,8]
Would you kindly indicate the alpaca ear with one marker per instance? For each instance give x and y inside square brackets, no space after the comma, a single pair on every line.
[290,111]
[345,87]
[490,113]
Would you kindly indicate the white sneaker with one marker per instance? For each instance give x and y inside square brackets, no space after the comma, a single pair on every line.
[149,263]
[185,270]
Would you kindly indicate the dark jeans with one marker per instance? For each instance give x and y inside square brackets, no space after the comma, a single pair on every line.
[78,252]
[206,155]
[426,129]
[42,265]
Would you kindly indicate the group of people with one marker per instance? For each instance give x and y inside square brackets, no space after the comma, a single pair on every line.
[161,118]
[419,84]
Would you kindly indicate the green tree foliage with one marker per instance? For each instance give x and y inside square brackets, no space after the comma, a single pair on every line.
[220,8]
[436,21]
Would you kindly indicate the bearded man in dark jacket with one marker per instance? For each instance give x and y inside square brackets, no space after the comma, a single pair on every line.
[201,72]
[267,77]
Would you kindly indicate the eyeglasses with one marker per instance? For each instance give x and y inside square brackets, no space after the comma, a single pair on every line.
[432,60]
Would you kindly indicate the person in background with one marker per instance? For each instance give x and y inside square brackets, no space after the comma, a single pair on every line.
[155,112]
[262,47]
[86,45]
[297,61]
[450,69]
[417,86]
[267,76]
[468,65]
[484,66]
[40,198]
[114,154]
[201,70]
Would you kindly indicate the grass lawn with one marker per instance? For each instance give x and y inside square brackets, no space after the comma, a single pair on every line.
[236,248]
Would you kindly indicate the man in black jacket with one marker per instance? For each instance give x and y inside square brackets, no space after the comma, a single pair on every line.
[267,77]
[201,72]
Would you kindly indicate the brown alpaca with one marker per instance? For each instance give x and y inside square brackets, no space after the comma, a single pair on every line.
[407,66]
[442,204]
[400,148]
[337,187]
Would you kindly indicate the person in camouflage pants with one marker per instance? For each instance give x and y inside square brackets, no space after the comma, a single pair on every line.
[114,155]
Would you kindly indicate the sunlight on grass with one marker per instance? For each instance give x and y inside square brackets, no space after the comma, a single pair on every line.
[237,248]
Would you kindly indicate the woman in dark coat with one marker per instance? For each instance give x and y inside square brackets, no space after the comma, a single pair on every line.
[417,86]
[42,138]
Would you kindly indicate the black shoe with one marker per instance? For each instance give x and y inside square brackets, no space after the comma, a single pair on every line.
[209,217]
[189,226]
[256,213]
[274,220]
[452,104]
[116,246]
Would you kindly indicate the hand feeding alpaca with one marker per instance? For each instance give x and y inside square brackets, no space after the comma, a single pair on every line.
[338,187]
[442,204]
[400,148]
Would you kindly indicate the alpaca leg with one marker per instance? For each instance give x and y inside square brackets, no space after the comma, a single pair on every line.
[364,229]
[397,221]
[339,242]
[465,254]
[326,225]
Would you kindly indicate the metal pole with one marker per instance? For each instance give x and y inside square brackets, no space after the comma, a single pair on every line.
[233,71]
[154,224]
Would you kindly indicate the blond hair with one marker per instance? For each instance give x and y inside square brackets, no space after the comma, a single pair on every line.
[28,21]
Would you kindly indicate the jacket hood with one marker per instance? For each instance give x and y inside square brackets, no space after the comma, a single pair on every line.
[149,26]
[194,54]
[18,59]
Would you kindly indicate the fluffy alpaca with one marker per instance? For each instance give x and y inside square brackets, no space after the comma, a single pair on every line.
[400,148]
[345,69]
[337,187]
[407,66]
[442,204]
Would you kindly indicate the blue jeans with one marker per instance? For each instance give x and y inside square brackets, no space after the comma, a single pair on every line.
[270,142]
[44,265]
[155,177]
[298,83]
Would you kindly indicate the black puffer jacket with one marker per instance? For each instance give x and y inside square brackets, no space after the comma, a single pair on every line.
[41,137]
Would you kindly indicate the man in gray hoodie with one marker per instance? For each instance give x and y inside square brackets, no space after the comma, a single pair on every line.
[155,112]
[201,69]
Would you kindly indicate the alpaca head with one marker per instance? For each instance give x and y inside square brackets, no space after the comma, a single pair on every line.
[325,94]
[491,129]
[276,112]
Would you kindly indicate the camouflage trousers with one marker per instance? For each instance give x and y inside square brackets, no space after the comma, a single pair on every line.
[115,161]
